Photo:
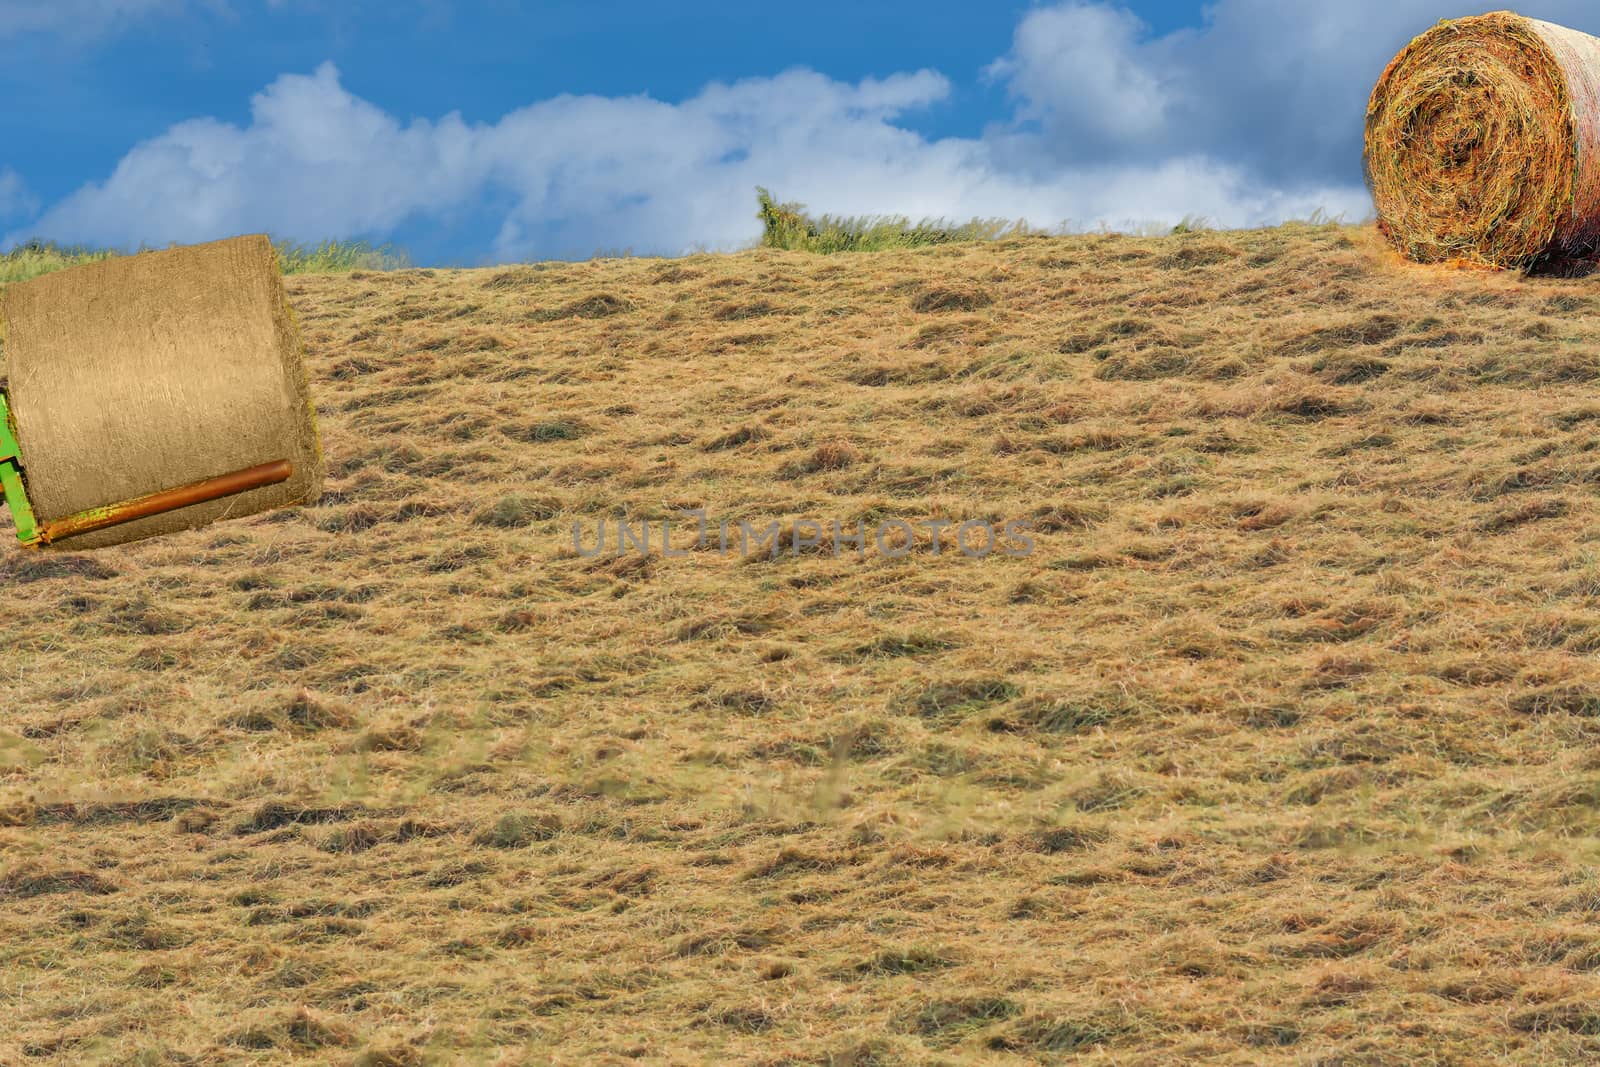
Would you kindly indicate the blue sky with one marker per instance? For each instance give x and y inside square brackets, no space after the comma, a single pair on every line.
[481,132]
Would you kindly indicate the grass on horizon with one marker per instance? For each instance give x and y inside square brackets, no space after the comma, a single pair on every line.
[36,257]
[788,226]
[33,258]
[784,225]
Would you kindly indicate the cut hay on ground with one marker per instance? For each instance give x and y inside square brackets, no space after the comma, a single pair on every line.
[1283,747]
[1483,143]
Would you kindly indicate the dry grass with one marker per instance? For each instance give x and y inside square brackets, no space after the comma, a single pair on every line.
[1280,749]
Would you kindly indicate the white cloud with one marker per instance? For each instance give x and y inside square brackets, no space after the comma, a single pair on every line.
[1279,89]
[1085,60]
[587,172]
[1253,116]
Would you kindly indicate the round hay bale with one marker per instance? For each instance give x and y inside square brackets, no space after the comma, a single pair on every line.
[149,372]
[1483,143]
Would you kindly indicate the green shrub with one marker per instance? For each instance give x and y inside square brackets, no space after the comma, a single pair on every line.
[787,226]
[337,257]
[35,257]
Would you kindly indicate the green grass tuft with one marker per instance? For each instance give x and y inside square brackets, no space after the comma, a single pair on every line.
[338,257]
[36,257]
[787,226]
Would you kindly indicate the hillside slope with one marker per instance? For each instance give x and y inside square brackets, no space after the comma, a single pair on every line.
[1279,747]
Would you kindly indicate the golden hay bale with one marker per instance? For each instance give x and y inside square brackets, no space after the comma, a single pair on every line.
[144,373]
[1483,143]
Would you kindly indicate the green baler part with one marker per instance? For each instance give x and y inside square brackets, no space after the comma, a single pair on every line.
[11,486]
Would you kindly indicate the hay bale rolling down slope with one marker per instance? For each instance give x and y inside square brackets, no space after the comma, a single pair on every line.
[1483,143]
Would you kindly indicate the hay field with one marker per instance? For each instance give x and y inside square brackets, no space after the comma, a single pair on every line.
[1283,746]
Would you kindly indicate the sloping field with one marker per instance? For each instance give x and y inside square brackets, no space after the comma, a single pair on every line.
[1282,745]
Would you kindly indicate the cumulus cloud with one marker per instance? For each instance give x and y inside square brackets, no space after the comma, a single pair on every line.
[1251,117]
[1277,89]
[584,172]
[1082,69]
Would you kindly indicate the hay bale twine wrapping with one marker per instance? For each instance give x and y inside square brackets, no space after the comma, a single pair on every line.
[150,372]
[1483,143]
